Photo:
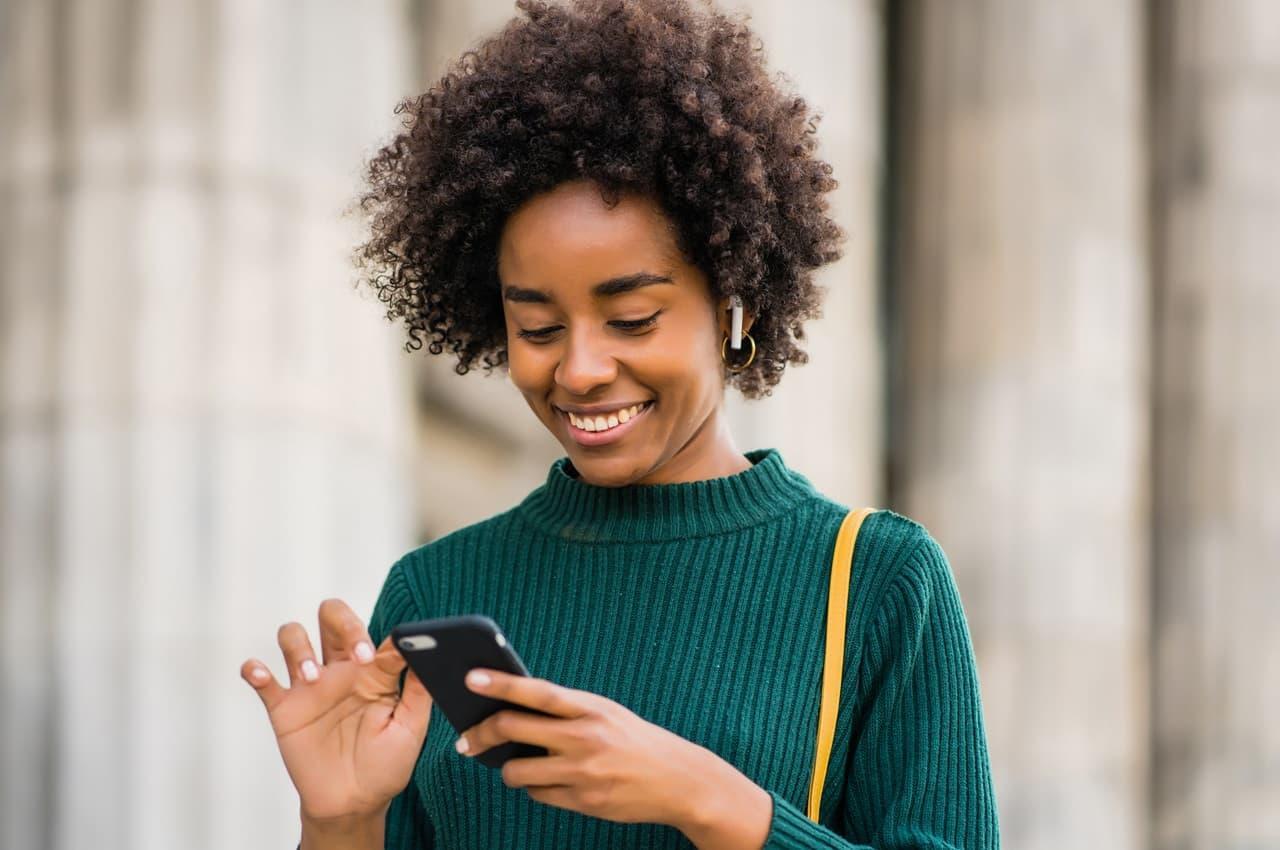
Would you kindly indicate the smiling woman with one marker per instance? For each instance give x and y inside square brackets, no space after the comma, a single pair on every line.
[598,199]
[608,320]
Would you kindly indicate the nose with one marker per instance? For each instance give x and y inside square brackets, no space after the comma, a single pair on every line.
[587,364]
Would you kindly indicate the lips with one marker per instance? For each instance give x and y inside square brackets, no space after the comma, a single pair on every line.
[599,438]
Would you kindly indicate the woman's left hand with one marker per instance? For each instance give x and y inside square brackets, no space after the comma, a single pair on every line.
[603,760]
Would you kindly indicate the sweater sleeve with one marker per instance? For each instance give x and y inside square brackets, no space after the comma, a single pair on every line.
[918,776]
[407,826]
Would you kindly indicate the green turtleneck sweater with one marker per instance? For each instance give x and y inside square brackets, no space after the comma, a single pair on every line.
[701,606]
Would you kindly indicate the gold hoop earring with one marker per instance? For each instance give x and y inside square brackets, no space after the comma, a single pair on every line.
[729,365]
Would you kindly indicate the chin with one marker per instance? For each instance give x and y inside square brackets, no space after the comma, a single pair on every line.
[605,471]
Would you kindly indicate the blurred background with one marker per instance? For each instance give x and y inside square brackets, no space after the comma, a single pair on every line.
[1053,339]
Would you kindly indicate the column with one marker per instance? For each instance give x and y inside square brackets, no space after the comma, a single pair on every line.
[1018,431]
[1216,770]
[203,423]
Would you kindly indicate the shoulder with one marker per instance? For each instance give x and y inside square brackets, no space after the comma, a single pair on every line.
[422,565]
[888,543]
[414,576]
[899,569]
[900,543]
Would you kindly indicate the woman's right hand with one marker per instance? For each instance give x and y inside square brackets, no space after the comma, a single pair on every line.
[349,739]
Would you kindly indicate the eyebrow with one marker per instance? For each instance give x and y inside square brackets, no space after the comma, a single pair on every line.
[613,286]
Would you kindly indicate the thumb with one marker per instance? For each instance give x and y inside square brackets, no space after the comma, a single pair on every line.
[414,709]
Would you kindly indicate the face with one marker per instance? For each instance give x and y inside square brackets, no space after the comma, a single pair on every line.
[613,338]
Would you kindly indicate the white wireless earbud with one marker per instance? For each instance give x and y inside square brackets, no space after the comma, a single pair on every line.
[735,337]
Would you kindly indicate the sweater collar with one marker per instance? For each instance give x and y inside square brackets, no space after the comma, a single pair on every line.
[572,509]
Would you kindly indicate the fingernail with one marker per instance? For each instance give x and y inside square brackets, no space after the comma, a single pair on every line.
[461,745]
[477,678]
[258,674]
[309,671]
[364,651]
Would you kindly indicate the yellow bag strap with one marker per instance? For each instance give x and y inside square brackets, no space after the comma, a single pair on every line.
[833,664]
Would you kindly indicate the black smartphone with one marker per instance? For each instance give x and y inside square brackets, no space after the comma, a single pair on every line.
[442,651]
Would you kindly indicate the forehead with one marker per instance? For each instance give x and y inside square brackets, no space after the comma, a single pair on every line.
[569,235]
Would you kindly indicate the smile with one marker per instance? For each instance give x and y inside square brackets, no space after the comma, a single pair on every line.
[603,428]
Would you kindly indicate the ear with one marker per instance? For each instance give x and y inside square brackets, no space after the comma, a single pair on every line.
[725,318]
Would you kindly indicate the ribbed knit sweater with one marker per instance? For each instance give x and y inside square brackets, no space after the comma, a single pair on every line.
[701,607]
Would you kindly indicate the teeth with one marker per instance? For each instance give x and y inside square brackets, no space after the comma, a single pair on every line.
[605,422]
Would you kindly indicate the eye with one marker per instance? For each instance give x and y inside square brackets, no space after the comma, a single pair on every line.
[539,333]
[635,324]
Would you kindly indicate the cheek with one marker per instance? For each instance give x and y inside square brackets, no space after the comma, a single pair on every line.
[684,377]
[530,368]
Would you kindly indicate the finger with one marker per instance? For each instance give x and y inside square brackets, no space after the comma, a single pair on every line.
[385,669]
[299,657]
[532,692]
[260,679]
[560,796]
[342,634]
[388,661]
[538,770]
[513,724]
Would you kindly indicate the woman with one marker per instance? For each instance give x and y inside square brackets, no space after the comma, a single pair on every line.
[584,200]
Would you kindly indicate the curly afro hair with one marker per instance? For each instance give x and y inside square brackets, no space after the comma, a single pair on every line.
[650,96]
